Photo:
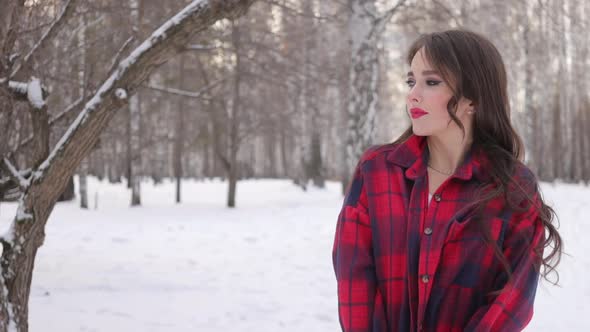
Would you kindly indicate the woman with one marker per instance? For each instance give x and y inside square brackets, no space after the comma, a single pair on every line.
[445,229]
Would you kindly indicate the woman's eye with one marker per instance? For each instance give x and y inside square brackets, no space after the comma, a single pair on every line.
[432,82]
[410,83]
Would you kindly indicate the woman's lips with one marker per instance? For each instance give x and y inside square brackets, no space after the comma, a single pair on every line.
[417,112]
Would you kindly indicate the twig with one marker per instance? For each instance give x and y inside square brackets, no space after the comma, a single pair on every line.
[184,93]
[74,106]
[46,38]
[15,174]
[119,55]
[383,20]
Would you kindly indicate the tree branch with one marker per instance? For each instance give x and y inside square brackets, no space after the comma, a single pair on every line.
[20,90]
[383,20]
[119,55]
[297,12]
[15,174]
[47,37]
[70,109]
[199,94]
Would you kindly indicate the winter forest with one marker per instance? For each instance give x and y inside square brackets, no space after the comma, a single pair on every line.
[179,165]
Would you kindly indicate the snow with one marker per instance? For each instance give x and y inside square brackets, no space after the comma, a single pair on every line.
[19,87]
[264,266]
[22,182]
[10,311]
[121,93]
[35,93]
[21,215]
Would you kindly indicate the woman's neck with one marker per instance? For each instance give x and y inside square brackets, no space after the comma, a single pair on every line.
[446,153]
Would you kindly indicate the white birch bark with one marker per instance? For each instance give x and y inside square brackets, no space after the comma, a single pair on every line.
[363,80]
[82,92]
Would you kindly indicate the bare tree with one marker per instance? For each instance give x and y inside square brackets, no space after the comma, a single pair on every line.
[44,185]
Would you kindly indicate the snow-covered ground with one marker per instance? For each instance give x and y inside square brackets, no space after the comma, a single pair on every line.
[265,266]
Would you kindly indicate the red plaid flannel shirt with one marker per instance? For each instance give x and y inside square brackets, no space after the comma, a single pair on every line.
[405,264]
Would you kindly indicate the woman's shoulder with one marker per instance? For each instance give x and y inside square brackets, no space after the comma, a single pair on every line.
[378,151]
[524,185]
[524,176]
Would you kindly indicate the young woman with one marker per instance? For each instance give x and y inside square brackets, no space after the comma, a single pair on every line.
[445,229]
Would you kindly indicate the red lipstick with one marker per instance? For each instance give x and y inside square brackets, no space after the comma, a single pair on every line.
[416,112]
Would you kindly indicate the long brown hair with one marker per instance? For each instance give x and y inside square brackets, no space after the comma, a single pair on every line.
[472,66]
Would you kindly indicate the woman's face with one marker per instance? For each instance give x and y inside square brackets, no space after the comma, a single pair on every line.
[427,100]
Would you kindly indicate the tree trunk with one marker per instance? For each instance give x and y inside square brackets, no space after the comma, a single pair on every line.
[556,134]
[234,120]
[284,158]
[83,185]
[232,184]
[364,76]
[82,78]
[532,135]
[135,148]
[585,139]
[179,133]
[135,123]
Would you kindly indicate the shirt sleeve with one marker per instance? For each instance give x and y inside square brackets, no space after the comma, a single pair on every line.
[353,260]
[512,309]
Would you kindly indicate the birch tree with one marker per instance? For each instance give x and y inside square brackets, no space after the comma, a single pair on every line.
[134,150]
[364,29]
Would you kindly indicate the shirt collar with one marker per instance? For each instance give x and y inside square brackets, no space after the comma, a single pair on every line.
[413,155]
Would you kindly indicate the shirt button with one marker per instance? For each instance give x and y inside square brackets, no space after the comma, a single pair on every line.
[437,197]
[428,231]
[425,278]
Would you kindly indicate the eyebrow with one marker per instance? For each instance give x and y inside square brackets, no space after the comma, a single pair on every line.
[425,72]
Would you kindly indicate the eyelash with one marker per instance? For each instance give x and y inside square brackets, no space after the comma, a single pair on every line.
[411,83]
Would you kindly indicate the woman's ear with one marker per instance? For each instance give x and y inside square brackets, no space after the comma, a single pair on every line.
[467,105]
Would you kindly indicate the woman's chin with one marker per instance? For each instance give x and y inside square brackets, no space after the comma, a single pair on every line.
[420,131]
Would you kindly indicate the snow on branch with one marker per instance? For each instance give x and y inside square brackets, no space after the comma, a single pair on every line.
[121,93]
[47,36]
[68,110]
[19,88]
[4,181]
[35,93]
[117,57]
[15,174]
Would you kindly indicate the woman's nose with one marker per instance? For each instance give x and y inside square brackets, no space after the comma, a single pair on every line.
[414,95]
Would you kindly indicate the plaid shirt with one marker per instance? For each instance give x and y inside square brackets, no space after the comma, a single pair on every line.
[406,264]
